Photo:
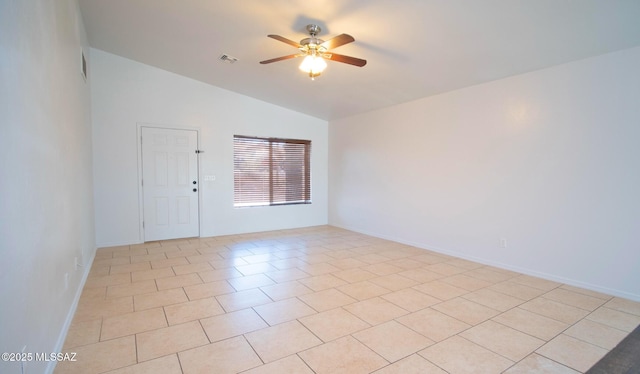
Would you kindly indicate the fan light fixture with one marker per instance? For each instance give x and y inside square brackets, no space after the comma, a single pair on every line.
[316,51]
[313,65]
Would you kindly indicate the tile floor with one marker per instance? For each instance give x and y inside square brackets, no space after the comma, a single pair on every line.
[327,300]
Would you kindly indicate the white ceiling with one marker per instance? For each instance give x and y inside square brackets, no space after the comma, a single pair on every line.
[414,48]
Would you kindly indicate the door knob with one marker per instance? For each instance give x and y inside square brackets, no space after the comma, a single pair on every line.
[195,189]
[194,182]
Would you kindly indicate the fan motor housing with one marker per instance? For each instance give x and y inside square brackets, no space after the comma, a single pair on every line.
[311,41]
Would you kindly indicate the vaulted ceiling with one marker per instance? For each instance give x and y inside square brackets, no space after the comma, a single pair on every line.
[414,48]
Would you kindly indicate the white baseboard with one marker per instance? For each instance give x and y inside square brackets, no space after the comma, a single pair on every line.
[72,311]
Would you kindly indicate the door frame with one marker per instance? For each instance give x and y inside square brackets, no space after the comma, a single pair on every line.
[139,126]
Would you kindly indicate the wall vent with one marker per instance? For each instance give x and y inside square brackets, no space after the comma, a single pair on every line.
[228,59]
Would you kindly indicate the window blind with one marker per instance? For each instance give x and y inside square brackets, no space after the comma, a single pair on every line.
[271,171]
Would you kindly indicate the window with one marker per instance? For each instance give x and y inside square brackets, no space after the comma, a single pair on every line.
[270,171]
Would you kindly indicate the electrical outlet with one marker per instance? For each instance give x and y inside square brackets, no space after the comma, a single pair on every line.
[503,242]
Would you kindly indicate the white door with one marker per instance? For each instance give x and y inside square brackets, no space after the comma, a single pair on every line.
[170,183]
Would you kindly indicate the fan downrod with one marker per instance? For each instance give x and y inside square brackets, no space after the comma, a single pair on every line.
[313,42]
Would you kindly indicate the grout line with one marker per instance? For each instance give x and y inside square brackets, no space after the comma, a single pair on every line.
[336,246]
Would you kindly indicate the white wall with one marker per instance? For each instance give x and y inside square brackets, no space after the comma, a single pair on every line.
[549,160]
[126,93]
[46,214]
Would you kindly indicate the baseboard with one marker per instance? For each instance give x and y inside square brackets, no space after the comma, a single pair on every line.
[521,270]
[72,311]
[118,244]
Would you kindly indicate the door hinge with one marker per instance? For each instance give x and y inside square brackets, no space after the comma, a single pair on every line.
[142,182]
[143,224]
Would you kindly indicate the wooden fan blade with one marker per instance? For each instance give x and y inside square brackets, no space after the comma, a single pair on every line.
[279,59]
[285,40]
[339,40]
[345,59]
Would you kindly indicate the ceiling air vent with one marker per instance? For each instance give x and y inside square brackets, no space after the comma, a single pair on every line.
[228,59]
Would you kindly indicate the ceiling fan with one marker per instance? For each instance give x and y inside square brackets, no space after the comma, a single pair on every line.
[315,51]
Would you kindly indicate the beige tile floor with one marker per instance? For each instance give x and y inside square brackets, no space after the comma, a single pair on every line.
[327,300]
